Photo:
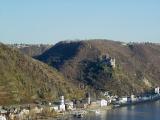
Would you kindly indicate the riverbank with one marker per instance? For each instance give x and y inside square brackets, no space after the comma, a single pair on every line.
[51,111]
[84,112]
[69,115]
[139,100]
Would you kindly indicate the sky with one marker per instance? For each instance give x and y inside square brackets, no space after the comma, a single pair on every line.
[50,21]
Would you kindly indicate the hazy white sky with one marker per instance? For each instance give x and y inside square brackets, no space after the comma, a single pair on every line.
[50,21]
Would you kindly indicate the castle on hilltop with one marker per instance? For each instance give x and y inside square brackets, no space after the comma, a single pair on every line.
[109,61]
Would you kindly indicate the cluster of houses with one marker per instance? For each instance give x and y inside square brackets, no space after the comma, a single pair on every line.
[125,100]
[23,112]
[20,113]
[64,105]
[78,104]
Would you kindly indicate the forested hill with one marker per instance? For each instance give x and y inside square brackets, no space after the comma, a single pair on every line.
[137,65]
[23,79]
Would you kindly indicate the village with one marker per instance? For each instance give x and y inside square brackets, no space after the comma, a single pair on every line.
[75,108]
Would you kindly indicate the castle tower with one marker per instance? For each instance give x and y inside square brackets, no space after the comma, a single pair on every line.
[113,62]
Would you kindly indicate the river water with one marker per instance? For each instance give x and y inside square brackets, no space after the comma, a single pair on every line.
[145,111]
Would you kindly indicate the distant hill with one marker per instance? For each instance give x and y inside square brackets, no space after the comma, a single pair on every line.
[137,66]
[23,79]
[31,49]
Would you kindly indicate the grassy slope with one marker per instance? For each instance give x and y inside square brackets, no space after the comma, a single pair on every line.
[23,79]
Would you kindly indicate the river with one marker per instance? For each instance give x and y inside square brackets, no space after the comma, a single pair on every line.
[145,111]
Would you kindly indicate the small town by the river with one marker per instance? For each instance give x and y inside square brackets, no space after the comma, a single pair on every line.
[65,108]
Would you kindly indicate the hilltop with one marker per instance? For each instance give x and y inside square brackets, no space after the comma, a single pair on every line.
[136,70]
[23,79]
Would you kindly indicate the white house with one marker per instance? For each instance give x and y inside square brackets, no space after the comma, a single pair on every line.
[2,117]
[102,102]
[2,114]
[123,99]
[69,105]
[157,90]
[133,98]
[55,108]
